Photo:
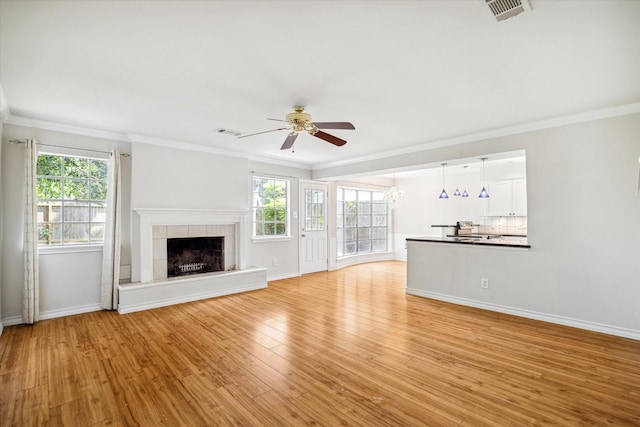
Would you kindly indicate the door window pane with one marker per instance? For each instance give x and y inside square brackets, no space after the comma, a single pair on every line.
[314,210]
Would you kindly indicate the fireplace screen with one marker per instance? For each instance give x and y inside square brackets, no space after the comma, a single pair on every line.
[194,255]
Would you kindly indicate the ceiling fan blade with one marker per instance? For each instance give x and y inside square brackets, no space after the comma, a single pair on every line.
[334,125]
[288,143]
[330,138]
[258,133]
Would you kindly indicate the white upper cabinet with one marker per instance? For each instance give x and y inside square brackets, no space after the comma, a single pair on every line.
[507,198]
[520,197]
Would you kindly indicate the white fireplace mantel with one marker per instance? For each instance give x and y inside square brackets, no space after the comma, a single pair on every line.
[145,219]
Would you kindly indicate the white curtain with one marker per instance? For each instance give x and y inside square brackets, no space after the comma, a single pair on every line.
[31,304]
[111,251]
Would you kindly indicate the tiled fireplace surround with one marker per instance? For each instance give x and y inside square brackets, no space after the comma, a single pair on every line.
[161,233]
[150,286]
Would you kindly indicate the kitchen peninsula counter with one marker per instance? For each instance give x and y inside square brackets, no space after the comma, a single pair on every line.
[510,241]
[486,273]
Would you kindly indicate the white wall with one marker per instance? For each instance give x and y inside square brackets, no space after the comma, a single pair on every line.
[286,250]
[69,281]
[583,219]
[165,177]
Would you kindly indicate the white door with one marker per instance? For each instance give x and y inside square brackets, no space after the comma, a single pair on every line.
[313,227]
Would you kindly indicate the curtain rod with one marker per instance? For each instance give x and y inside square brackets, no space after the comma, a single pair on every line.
[17,141]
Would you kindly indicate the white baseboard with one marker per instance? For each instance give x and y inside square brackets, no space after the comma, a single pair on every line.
[362,259]
[545,317]
[1,327]
[10,321]
[52,314]
[283,276]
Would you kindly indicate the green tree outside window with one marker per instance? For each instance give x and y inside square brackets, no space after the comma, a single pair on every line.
[72,198]
[270,207]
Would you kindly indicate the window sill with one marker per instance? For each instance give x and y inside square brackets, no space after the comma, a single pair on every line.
[270,239]
[50,250]
[364,255]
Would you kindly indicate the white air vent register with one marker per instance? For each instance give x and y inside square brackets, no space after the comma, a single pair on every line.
[505,9]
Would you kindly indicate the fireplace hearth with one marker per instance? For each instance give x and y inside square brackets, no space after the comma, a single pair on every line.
[151,287]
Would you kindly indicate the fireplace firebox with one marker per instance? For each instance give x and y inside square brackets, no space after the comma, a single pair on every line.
[194,255]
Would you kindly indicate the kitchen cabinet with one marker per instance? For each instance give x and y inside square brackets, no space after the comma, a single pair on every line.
[507,198]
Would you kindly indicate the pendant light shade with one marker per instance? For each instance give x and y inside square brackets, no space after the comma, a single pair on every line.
[484,194]
[444,194]
[465,194]
[457,192]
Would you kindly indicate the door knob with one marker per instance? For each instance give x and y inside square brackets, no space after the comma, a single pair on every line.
[303,235]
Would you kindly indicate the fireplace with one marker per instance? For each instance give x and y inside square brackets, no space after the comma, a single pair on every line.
[154,227]
[194,255]
[151,285]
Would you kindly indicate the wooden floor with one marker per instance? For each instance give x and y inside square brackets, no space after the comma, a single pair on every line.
[338,348]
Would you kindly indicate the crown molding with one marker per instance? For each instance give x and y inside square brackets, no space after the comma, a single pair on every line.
[144,139]
[76,130]
[58,127]
[494,133]
[604,113]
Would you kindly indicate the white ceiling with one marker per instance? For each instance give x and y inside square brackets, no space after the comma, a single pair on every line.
[406,74]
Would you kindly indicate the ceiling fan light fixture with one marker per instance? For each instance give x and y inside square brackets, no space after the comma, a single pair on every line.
[298,122]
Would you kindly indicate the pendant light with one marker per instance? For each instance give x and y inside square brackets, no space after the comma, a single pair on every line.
[464,193]
[444,194]
[457,192]
[484,194]
[393,195]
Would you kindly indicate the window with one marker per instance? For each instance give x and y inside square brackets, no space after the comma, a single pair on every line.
[362,221]
[270,207]
[314,210]
[72,199]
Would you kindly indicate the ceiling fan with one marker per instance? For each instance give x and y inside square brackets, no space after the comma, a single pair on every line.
[299,121]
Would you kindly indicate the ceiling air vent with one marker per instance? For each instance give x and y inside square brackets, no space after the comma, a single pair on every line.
[505,9]
[228,132]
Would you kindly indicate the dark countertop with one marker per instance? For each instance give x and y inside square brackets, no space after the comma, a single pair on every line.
[509,243]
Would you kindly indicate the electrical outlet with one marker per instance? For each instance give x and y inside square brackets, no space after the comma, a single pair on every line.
[484,283]
[274,262]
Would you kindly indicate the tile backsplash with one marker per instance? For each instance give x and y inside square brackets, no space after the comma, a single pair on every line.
[504,225]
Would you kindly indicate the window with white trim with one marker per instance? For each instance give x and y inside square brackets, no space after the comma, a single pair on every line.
[270,207]
[72,200]
[362,221]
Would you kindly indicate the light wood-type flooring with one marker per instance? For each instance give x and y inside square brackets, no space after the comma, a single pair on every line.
[335,348]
